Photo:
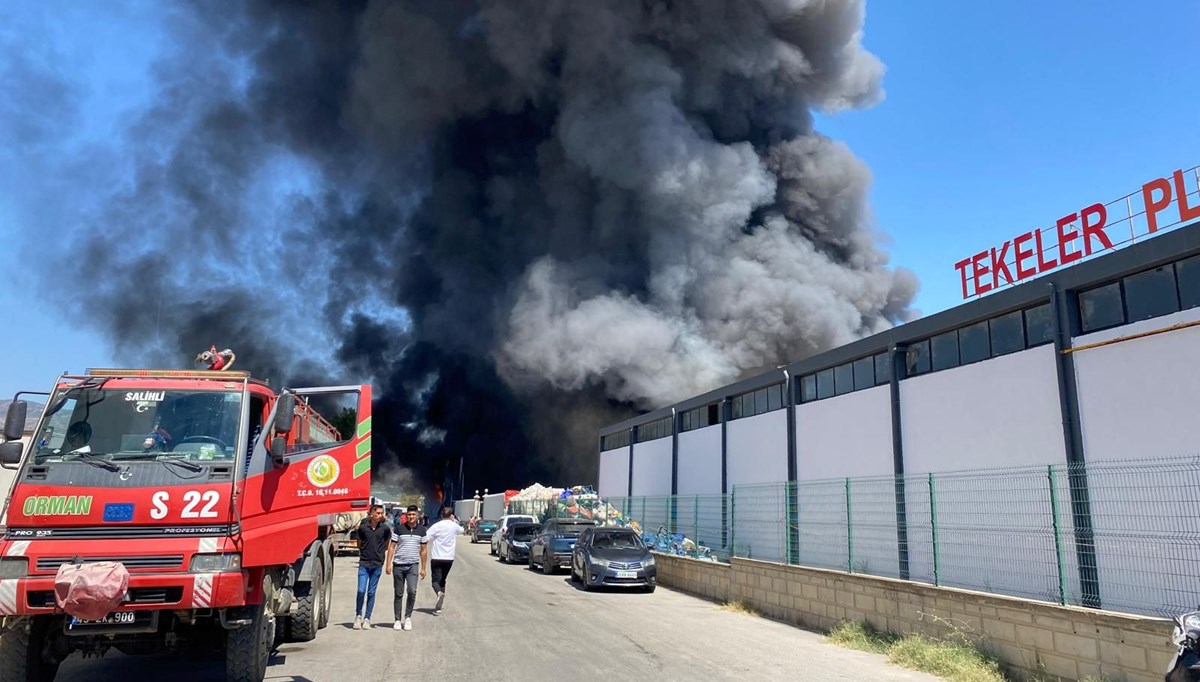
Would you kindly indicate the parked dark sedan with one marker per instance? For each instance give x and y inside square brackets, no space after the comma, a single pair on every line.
[552,547]
[483,531]
[613,556]
[514,546]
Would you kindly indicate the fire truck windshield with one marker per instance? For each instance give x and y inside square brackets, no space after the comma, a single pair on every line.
[145,425]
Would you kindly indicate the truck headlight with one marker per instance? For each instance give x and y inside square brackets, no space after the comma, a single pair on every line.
[210,563]
[14,567]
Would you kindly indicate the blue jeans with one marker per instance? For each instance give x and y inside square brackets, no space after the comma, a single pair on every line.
[368,580]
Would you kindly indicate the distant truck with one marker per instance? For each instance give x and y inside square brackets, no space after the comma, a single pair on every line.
[344,534]
[493,507]
[464,510]
[155,510]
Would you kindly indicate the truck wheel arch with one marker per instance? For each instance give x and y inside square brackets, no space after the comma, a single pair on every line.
[319,553]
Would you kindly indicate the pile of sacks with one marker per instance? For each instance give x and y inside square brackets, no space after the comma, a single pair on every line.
[582,502]
[677,544]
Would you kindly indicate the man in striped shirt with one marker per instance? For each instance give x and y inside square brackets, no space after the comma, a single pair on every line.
[407,553]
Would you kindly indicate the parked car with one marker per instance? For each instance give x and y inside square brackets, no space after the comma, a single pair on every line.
[514,547]
[552,547]
[613,556]
[483,530]
[502,526]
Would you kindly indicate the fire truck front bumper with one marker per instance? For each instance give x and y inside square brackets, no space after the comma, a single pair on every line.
[34,595]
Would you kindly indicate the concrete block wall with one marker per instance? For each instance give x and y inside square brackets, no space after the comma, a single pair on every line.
[1066,641]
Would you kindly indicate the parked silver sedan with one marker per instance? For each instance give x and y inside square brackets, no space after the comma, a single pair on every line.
[614,557]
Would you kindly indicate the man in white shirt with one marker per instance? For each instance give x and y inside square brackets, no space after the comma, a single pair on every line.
[442,537]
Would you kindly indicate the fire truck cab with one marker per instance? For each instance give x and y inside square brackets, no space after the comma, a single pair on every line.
[208,496]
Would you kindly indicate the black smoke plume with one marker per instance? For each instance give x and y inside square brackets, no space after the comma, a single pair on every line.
[519,219]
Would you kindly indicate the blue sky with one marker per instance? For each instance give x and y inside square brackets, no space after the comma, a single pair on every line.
[999,118]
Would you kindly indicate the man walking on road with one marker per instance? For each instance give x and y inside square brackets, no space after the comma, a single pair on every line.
[373,537]
[443,537]
[407,552]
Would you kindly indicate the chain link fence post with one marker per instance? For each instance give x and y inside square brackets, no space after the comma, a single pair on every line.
[849,532]
[933,525]
[733,523]
[1058,543]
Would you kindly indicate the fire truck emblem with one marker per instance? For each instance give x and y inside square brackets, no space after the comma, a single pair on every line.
[323,470]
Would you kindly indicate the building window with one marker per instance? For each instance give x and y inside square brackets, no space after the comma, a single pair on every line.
[864,373]
[973,343]
[917,358]
[1039,327]
[843,378]
[945,350]
[1007,333]
[1187,272]
[775,397]
[824,384]
[698,418]
[1101,308]
[808,388]
[659,428]
[1151,294]
[614,441]
[760,401]
[714,416]
[883,368]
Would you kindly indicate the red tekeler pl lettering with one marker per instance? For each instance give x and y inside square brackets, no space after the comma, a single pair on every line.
[988,270]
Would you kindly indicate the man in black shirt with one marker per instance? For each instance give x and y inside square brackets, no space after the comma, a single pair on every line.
[374,536]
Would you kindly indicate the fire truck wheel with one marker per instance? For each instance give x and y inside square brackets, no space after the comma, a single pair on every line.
[305,622]
[21,651]
[327,597]
[248,647]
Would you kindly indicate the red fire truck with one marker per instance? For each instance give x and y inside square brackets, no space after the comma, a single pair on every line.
[206,498]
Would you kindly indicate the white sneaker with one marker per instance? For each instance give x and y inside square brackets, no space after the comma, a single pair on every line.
[358,622]
[408,623]
[437,607]
[366,624]
[398,626]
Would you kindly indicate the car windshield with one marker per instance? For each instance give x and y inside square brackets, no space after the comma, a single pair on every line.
[524,533]
[140,425]
[617,541]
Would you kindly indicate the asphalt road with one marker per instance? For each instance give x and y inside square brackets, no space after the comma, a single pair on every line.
[503,622]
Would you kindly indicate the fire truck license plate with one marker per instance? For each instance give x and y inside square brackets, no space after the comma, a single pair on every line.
[114,618]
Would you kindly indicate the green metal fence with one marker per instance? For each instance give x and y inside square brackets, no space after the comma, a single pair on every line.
[1124,536]
[703,519]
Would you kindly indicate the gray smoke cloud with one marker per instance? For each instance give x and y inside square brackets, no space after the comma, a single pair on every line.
[520,219]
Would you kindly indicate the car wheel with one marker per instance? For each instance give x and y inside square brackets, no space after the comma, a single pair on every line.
[531,559]
[574,575]
[547,566]
[587,579]
[649,589]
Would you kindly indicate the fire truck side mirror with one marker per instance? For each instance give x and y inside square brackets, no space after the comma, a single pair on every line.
[285,411]
[14,421]
[10,454]
[279,450]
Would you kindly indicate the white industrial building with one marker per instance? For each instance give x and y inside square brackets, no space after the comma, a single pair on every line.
[1094,363]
